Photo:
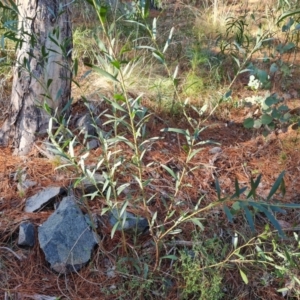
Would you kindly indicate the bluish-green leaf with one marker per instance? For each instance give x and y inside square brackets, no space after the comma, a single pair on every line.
[218,189]
[249,217]
[276,185]
[173,257]
[228,213]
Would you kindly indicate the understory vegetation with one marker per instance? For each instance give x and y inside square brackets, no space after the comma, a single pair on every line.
[150,79]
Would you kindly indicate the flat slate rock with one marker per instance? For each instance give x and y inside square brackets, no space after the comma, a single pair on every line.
[42,198]
[66,238]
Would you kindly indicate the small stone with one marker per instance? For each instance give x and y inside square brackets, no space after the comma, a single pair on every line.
[92,144]
[26,234]
[85,124]
[91,185]
[215,150]
[131,222]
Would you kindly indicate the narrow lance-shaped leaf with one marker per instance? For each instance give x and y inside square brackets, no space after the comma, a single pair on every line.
[175,73]
[177,130]
[170,171]
[154,29]
[169,40]
[244,276]
[173,257]
[254,185]
[288,14]
[228,213]
[123,209]
[193,154]
[103,72]
[272,219]
[218,188]
[197,222]
[114,229]
[276,185]
[249,217]
[159,56]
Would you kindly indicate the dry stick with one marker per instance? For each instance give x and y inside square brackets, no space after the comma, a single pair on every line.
[11,251]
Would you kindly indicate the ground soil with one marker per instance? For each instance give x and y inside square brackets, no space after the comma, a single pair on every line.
[245,154]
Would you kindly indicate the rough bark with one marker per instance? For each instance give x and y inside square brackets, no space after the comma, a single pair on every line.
[42,73]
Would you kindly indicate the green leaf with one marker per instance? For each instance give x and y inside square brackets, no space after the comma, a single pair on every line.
[237,188]
[257,124]
[75,67]
[262,76]
[282,187]
[271,100]
[173,257]
[117,106]
[248,123]
[236,60]
[254,185]
[177,130]
[154,29]
[146,47]
[168,42]
[154,217]
[49,81]
[273,68]
[276,185]
[197,223]
[159,57]
[193,154]
[274,222]
[175,231]
[138,181]
[218,188]
[249,217]
[123,210]
[103,72]
[175,73]
[289,46]
[266,119]
[244,276]
[228,94]
[114,229]
[170,171]
[228,213]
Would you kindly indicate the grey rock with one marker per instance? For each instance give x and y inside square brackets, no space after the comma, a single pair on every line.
[26,234]
[42,198]
[215,150]
[92,144]
[91,185]
[128,221]
[66,238]
[87,124]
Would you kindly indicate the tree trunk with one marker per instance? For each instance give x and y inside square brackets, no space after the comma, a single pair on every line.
[42,74]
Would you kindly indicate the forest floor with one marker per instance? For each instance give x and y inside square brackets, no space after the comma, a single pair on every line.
[244,155]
